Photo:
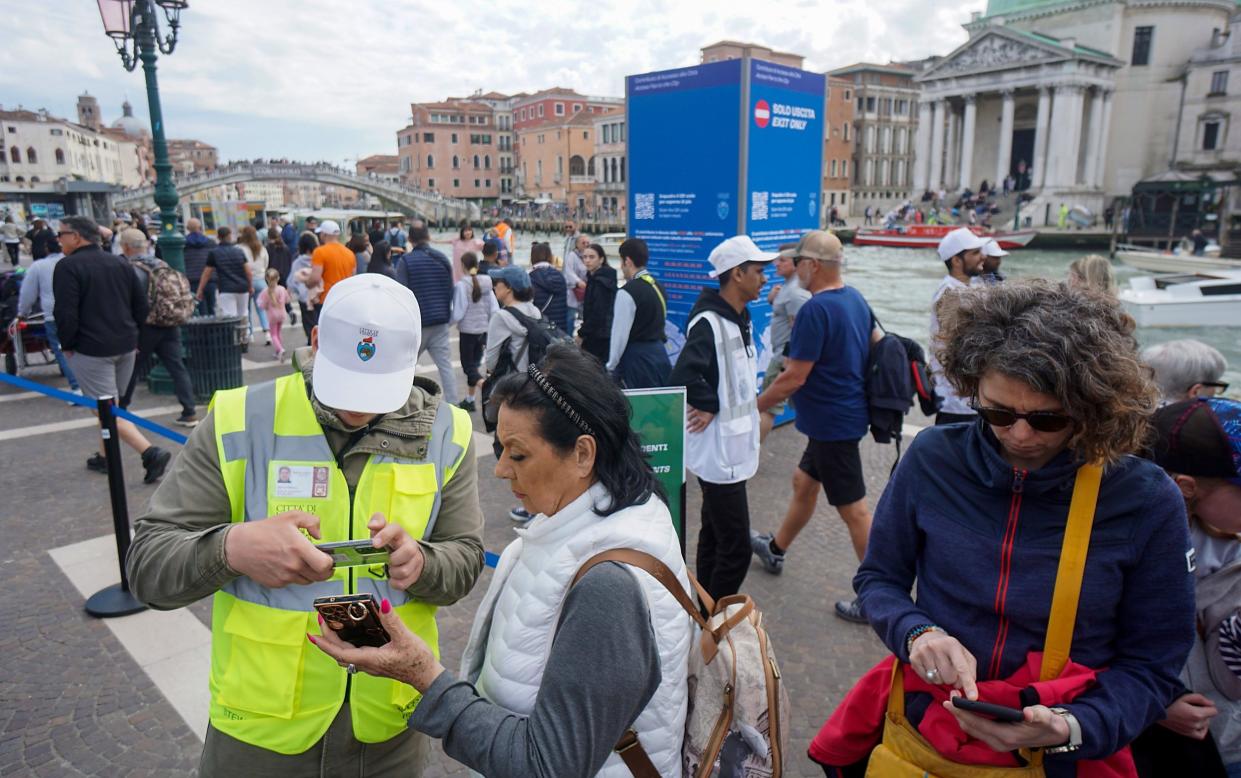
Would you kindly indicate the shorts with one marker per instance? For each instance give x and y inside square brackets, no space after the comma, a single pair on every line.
[837,464]
[774,368]
[102,376]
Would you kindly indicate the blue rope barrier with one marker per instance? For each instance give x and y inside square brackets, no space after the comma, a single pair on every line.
[91,403]
[490,559]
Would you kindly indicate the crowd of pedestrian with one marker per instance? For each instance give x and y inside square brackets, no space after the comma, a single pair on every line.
[1054,436]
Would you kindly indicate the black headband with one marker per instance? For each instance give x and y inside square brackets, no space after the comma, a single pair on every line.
[546,386]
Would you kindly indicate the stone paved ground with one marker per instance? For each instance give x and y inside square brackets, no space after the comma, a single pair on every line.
[73,702]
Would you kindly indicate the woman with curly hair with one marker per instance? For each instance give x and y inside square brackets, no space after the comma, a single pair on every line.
[975,515]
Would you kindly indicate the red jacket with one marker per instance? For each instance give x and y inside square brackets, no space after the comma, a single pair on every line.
[856,727]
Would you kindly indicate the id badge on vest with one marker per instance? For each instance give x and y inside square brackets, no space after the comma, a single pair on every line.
[299,486]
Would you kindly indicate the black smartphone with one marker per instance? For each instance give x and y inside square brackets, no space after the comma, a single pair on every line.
[354,553]
[990,710]
[355,617]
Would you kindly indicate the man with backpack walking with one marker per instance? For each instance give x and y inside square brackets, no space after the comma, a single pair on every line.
[171,304]
[825,374]
[100,304]
[428,274]
[718,370]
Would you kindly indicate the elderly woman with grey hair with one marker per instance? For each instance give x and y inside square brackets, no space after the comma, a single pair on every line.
[1185,369]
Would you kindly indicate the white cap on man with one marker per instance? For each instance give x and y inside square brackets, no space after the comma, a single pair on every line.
[328,227]
[369,332]
[734,252]
[959,240]
[992,249]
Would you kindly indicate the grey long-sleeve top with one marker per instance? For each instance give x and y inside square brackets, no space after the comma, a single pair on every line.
[602,671]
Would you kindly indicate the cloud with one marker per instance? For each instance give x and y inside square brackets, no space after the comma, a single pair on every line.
[320,79]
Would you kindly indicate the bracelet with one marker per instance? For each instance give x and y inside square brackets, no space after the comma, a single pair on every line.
[918,632]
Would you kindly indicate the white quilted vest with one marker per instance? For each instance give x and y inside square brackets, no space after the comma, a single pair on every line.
[513,629]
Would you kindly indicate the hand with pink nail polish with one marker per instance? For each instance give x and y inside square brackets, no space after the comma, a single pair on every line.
[405,658]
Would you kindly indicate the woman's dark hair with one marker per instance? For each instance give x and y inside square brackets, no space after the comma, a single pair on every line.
[523,295]
[581,381]
[461,232]
[380,260]
[273,234]
[603,255]
[469,261]
[540,252]
[307,243]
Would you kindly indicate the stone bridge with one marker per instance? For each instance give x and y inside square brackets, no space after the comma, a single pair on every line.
[426,204]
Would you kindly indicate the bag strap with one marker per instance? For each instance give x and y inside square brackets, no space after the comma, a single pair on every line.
[634,756]
[647,277]
[1069,574]
[657,570]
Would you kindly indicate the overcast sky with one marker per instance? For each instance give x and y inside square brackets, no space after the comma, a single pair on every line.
[333,79]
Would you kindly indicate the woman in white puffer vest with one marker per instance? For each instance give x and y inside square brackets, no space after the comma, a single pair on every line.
[556,675]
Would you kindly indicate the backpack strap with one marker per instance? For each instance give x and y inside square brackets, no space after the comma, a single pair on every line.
[1069,574]
[629,747]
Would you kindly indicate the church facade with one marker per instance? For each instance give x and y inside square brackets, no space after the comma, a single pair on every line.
[1078,100]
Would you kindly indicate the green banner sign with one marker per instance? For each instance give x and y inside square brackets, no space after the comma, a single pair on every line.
[659,420]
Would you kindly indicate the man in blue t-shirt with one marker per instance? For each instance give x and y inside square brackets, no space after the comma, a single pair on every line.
[825,374]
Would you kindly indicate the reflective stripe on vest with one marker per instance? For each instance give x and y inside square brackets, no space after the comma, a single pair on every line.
[269,687]
[737,398]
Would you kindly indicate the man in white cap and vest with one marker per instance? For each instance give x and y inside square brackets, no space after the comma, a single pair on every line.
[350,446]
[719,371]
[961,251]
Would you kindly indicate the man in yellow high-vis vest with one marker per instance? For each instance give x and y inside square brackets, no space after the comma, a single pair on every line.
[352,445]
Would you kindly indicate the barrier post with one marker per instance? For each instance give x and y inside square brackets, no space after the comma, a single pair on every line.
[114,600]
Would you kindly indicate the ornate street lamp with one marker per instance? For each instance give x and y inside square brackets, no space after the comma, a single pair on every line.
[134,27]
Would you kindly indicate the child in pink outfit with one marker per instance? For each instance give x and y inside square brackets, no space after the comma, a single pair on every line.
[273,299]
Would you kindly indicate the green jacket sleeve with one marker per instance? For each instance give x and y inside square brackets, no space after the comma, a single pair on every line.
[454,552]
[177,555]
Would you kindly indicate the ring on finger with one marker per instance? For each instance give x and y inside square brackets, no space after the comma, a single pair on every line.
[932,675]
[352,668]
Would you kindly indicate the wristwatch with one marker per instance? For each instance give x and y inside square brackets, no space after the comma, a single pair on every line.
[1075,733]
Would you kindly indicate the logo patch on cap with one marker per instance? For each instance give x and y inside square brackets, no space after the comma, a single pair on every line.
[366,348]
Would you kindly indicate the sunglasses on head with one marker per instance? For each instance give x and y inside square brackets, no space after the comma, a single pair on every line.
[1042,421]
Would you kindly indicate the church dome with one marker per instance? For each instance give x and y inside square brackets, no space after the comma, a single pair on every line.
[130,124]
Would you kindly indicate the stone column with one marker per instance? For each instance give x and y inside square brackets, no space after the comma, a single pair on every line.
[1066,142]
[1041,126]
[952,137]
[937,144]
[922,148]
[1004,163]
[1092,138]
[1096,162]
[967,142]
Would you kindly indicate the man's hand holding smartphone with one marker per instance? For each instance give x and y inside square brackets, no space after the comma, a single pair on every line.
[274,552]
[405,559]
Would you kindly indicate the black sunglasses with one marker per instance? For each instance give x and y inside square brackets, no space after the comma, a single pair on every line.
[1042,421]
[1222,386]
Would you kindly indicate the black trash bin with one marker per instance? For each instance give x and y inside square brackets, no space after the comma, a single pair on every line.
[213,346]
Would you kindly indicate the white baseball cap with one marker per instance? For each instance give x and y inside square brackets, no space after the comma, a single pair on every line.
[959,240]
[734,252]
[328,227]
[992,249]
[369,332]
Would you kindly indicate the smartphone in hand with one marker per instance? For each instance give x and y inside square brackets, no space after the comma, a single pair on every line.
[354,617]
[1000,713]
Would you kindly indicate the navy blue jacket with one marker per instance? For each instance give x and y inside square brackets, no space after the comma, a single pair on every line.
[550,296]
[982,539]
[428,275]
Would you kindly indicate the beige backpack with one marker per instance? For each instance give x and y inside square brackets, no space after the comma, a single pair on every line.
[736,725]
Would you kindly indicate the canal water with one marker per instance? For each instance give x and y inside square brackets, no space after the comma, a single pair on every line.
[899,284]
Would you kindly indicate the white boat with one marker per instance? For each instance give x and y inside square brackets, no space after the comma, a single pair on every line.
[1185,300]
[1183,262]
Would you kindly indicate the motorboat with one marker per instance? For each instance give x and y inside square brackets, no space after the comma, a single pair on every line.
[928,236]
[1179,262]
[1185,299]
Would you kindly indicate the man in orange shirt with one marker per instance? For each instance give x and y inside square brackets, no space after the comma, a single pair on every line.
[332,261]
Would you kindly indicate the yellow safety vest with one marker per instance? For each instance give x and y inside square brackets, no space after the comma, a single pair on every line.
[269,686]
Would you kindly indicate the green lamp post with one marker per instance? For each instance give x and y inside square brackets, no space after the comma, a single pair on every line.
[134,28]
